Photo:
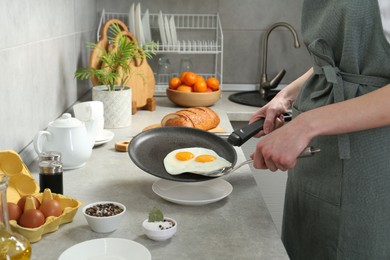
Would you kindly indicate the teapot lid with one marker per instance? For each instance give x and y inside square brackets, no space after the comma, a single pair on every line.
[66,120]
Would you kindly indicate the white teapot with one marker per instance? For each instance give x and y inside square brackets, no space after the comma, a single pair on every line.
[70,136]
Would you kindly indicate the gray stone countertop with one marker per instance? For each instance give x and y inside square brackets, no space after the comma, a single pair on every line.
[236,227]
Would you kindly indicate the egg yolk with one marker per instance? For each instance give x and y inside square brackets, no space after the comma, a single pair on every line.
[184,156]
[204,158]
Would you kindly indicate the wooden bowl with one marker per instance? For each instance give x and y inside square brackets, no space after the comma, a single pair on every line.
[193,99]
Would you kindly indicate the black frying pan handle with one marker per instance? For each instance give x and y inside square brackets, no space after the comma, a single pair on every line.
[240,136]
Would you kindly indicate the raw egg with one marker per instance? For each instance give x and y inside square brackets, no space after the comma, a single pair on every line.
[50,207]
[14,212]
[22,202]
[32,218]
[195,160]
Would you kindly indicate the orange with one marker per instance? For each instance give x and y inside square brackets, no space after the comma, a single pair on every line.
[213,83]
[174,83]
[200,78]
[189,78]
[184,88]
[182,75]
[200,86]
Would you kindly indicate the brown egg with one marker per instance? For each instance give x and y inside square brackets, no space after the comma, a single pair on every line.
[22,201]
[31,218]
[51,207]
[14,212]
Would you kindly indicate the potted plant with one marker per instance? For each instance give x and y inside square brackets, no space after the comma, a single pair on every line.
[115,68]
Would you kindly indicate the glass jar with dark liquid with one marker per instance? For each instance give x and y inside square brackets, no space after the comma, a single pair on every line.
[50,176]
[50,172]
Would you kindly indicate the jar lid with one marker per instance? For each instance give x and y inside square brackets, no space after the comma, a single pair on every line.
[66,120]
[50,167]
[50,156]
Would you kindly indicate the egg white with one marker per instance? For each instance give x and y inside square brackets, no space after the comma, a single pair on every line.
[174,166]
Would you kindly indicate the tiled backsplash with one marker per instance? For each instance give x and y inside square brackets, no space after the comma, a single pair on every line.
[43,43]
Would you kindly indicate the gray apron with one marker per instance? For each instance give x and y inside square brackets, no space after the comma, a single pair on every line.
[337,203]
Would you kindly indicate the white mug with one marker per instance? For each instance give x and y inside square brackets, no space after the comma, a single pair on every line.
[91,110]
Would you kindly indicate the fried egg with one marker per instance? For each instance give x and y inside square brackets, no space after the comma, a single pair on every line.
[195,160]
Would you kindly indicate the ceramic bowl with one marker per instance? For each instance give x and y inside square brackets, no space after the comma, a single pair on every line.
[193,99]
[104,224]
[160,231]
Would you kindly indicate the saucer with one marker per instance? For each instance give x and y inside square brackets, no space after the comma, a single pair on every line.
[104,137]
[192,194]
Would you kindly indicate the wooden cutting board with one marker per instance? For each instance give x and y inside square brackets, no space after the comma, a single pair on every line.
[101,45]
[141,78]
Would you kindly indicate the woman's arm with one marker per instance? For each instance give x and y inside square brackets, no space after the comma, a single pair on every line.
[280,148]
[273,111]
[361,113]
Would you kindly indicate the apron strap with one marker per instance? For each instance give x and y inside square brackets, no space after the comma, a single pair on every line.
[324,64]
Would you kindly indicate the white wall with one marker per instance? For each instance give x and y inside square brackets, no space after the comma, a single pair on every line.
[42,43]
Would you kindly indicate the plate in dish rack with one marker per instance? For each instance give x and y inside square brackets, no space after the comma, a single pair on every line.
[106,248]
[192,194]
[162,28]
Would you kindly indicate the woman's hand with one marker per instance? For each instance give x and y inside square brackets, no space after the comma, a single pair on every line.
[272,114]
[280,149]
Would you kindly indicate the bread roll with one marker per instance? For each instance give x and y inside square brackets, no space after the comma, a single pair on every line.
[197,117]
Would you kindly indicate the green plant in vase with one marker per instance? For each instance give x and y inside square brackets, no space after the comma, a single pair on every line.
[116,61]
[111,75]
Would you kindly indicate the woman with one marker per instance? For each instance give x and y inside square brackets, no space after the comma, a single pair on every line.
[337,202]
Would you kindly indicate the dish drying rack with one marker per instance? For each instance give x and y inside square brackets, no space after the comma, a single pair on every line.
[207,25]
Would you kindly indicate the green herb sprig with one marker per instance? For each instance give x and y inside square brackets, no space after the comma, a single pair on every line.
[155,215]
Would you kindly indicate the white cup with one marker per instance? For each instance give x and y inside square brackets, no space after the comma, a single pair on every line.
[91,110]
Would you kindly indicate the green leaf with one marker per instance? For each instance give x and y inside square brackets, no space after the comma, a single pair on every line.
[155,215]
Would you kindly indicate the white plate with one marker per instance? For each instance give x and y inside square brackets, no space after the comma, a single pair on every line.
[105,137]
[173,30]
[162,29]
[167,31]
[138,25]
[146,25]
[192,194]
[131,19]
[106,248]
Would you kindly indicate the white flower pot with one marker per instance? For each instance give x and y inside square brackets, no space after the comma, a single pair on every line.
[117,105]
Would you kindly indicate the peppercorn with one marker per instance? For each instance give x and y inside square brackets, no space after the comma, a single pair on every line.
[104,210]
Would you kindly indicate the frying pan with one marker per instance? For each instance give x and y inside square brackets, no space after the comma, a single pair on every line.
[149,148]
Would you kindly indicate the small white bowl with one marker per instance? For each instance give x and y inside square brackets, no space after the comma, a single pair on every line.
[154,230]
[104,224]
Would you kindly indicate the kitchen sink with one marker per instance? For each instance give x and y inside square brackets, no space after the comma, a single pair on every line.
[252,98]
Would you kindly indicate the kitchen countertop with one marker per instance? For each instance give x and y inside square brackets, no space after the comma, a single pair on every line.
[237,227]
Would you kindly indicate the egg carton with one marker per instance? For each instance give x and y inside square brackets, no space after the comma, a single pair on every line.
[20,184]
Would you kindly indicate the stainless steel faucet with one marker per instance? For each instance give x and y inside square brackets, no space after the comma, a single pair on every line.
[265,84]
